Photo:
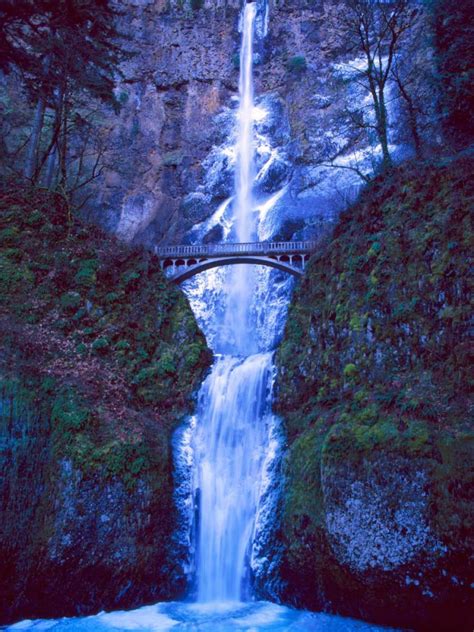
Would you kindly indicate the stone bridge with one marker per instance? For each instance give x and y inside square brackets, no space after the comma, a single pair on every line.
[186,261]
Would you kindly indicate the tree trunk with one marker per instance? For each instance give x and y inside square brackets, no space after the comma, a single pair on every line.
[412,116]
[51,152]
[51,164]
[382,126]
[63,143]
[413,122]
[30,165]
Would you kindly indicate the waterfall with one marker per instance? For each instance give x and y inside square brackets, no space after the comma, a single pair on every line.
[233,413]
[245,148]
[234,417]
[237,331]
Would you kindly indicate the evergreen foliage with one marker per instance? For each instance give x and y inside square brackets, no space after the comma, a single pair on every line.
[66,52]
[61,41]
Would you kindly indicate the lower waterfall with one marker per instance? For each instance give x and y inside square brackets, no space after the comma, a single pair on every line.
[234,410]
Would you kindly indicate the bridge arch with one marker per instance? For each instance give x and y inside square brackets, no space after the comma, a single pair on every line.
[202,266]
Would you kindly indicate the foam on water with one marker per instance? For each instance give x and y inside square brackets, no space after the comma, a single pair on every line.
[258,616]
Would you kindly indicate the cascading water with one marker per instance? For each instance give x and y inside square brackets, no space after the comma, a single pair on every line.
[237,327]
[234,405]
[232,435]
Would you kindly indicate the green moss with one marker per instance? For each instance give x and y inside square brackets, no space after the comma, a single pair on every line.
[297,64]
[129,278]
[122,346]
[100,345]
[10,236]
[35,219]
[86,275]
[68,413]
[373,362]
[13,278]
[195,353]
[70,301]
[350,371]
[166,365]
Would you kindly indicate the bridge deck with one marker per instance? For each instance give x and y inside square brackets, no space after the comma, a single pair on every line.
[263,248]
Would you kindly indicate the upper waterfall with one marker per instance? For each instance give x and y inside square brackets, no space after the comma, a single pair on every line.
[245,147]
[237,333]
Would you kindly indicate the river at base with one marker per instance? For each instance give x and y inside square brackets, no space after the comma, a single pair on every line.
[256,616]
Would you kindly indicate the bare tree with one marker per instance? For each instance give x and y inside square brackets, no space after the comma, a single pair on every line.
[416,84]
[375,29]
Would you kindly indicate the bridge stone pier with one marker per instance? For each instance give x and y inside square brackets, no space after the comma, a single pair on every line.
[183,262]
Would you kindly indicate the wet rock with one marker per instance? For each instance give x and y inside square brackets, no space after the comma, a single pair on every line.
[214,236]
[273,175]
[196,207]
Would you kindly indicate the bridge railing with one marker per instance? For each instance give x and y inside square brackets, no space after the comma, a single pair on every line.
[250,248]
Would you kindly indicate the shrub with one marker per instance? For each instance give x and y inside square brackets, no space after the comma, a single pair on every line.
[100,345]
[297,64]
[235,59]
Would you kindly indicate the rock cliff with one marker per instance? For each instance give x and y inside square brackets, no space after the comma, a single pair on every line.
[169,161]
[376,512]
[99,360]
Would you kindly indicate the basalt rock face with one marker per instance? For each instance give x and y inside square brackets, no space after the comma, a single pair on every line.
[169,160]
[174,87]
[99,362]
[375,518]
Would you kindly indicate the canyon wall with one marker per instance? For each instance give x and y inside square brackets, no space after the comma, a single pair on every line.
[169,164]
[375,519]
[100,359]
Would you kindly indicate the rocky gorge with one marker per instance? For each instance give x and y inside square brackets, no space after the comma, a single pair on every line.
[370,500]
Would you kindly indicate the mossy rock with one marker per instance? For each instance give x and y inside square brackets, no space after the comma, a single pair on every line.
[70,301]
[86,275]
[373,378]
